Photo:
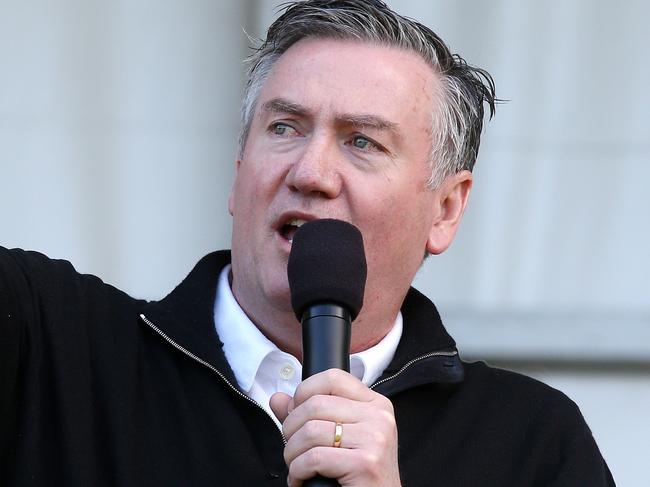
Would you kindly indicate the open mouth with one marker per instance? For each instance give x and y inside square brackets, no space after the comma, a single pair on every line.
[289,229]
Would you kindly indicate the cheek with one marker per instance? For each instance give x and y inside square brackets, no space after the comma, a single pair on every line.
[401,228]
[389,213]
[262,170]
[382,228]
[244,202]
[249,185]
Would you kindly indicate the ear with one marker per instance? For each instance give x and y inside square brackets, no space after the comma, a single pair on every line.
[231,196]
[451,200]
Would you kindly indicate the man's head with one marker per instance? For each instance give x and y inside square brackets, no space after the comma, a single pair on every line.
[341,126]
[457,117]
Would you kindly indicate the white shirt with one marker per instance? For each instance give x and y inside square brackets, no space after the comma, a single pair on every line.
[262,369]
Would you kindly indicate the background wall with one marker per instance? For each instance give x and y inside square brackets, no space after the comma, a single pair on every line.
[118,125]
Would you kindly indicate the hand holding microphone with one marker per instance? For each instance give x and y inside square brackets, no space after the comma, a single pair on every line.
[336,427]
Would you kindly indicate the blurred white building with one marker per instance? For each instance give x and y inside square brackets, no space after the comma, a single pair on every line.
[118,128]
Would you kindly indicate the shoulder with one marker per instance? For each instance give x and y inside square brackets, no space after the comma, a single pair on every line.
[491,378]
[525,404]
[540,420]
[38,292]
[35,273]
[508,389]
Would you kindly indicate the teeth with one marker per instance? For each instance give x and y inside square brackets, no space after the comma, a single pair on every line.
[296,222]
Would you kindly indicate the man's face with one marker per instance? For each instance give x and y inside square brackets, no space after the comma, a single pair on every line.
[341,130]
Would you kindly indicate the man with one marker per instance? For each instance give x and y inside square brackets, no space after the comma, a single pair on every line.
[351,112]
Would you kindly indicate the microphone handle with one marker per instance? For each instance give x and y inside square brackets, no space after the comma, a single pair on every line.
[325,345]
[325,339]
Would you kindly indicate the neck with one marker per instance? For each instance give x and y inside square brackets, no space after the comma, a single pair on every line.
[283,329]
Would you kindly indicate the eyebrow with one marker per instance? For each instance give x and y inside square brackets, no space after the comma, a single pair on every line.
[282,105]
[368,121]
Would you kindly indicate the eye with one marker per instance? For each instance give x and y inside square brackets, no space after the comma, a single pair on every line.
[282,129]
[361,142]
[365,144]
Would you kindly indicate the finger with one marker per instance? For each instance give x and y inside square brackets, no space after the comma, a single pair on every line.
[331,409]
[317,433]
[335,463]
[317,461]
[333,382]
[313,433]
[281,405]
[322,434]
[378,412]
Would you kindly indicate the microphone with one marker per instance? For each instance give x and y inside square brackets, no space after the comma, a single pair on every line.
[327,277]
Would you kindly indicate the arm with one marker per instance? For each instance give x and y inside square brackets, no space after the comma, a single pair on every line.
[31,286]
[15,313]
[574,457]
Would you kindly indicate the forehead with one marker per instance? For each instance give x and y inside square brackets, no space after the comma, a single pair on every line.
[329,75]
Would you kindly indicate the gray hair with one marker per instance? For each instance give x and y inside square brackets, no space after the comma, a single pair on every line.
[456,125]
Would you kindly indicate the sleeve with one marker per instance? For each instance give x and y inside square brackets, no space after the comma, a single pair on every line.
[33,290]
[15,313]
[29,282]
[573,457]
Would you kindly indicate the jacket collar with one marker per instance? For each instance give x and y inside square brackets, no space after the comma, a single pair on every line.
[426,352]
[186,315]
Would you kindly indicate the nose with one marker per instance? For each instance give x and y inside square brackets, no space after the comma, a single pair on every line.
[316,170]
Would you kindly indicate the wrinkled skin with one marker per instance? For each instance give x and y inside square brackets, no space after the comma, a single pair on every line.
[341,130]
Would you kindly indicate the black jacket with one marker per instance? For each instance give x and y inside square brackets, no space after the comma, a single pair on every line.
[98,388]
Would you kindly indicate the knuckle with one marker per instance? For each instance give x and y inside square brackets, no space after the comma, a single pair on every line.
[389,407]
[386,414]
[315,406]
[291,476]
[389,419]
[312,430]
[380,440]
[386,404]
[369,462]
[332,377]
[313,458]
[333,374]
[288,458]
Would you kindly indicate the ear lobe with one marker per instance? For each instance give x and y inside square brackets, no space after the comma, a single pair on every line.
[231,196]
[452,199]
[231,203]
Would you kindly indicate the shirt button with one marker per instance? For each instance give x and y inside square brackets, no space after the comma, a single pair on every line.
[287,371]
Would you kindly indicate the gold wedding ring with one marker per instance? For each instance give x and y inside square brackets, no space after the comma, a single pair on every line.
[338,433]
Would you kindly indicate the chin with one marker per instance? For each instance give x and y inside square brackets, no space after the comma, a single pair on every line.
[280,299]
[274,286]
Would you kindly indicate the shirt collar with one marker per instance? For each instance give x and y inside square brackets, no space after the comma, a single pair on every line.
[369,364]
[237,332]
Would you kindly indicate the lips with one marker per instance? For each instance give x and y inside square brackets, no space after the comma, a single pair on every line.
[289,229]
[286,225]
[289,222]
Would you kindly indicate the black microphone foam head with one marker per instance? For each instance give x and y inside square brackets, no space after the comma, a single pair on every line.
[327,264]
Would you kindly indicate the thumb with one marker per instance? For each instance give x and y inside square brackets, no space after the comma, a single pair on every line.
[281,405]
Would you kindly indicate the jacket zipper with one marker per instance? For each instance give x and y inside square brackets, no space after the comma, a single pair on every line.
[440,353]
[209,366]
